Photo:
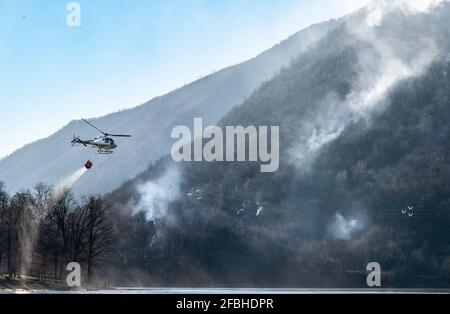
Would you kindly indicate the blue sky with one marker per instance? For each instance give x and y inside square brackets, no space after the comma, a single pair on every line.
[127,52]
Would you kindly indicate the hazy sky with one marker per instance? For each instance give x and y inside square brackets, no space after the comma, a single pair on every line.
[127,52]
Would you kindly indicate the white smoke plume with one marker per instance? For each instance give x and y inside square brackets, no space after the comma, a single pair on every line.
[156,195]
[379,70]
[344,228]
[382,7]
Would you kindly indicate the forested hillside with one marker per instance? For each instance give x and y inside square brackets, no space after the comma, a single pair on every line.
[364,176]
[358,182]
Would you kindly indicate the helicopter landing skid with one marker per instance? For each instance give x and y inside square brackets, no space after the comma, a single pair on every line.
[105,151]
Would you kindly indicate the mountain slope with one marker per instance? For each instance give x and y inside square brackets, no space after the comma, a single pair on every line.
[364,125]
[51,159]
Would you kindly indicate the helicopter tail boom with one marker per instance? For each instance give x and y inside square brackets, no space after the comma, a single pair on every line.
[77,140]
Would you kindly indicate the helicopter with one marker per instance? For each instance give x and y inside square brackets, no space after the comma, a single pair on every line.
[105,144]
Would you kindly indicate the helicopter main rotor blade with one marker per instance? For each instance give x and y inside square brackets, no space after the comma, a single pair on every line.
[106,134]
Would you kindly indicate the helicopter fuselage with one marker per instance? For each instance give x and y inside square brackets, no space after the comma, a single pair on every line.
[105,144]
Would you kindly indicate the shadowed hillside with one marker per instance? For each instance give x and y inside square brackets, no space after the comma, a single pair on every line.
[364,173]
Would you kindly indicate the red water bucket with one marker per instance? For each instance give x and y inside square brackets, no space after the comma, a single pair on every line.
[88,164]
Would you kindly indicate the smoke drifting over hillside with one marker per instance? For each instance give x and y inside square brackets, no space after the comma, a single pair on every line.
[383,7]
[156,195]
[386,60]
[344,228]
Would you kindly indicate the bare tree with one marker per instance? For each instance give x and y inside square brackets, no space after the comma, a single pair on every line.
[42,197]
[4,203]
[18,220]
[56,230]
[99,234]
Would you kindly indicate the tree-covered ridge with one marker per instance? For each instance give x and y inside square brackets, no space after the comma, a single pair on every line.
[387,172]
